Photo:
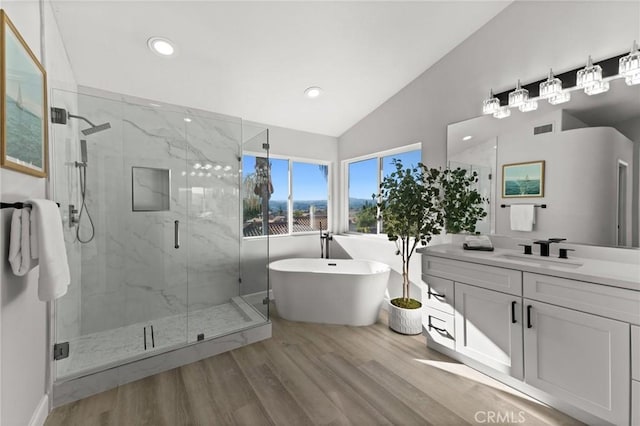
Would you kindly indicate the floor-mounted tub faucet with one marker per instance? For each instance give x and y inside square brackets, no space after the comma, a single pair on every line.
[325,237]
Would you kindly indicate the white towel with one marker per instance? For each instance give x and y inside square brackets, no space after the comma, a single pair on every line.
[19,242]
[54,268]
[523,216]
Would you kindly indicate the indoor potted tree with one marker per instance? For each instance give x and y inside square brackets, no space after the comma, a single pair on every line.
[461,202]
[411,213]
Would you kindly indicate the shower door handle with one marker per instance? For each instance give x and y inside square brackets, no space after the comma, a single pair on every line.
[176,234]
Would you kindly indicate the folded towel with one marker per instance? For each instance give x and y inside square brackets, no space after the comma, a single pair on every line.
[20,242]
[54,268]
[523,217]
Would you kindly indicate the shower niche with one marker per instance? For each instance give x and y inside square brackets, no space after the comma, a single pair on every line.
[150,189]
[160,283]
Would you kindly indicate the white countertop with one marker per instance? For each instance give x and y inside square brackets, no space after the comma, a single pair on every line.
[607,272]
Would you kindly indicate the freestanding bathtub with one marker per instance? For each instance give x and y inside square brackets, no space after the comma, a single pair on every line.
[329,291]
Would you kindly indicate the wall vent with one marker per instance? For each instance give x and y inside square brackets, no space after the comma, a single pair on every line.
[545,128]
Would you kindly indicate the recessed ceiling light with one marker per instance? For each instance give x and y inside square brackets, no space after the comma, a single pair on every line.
[466,138]
[188,120]
[161,46]
[312,92]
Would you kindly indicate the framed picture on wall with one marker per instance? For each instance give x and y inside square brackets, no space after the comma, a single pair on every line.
[23,116]
[523,179]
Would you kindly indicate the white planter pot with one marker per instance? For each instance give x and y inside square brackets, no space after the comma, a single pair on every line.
[405,321]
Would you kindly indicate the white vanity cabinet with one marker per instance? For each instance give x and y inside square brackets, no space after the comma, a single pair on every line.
[488,328]
[583,359]
[565,341]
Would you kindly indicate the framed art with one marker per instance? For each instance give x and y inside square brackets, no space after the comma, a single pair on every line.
[23,116]
[523,179]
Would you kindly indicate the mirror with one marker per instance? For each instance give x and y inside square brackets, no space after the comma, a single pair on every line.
[591,152]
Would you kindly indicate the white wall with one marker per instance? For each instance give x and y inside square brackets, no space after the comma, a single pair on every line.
[23,318]
[295,144]
[521,42]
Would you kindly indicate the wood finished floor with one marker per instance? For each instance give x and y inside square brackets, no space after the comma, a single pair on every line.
[310,374]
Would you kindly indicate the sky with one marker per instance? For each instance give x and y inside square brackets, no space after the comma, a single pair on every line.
[363,181]
[309,182]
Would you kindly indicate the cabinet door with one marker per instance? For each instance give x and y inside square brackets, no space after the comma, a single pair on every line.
[489,329]
[580,358]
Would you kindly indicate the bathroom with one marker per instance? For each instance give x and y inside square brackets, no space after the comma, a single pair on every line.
[490,47]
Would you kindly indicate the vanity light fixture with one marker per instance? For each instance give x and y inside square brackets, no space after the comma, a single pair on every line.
[217,167]
[161,46]
[491,105]
[530,105]
[197,166]
[551,90]
[519,96]
[590,79]
[466,138]
[207,166]
[503,112]
[312,92]
[630,66]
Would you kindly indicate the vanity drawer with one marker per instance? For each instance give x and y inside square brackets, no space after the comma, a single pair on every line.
[635,353]
[490,277]
[438,293]
[438,327]
[610,302]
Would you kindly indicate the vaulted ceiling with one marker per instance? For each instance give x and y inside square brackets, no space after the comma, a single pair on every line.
[255,59]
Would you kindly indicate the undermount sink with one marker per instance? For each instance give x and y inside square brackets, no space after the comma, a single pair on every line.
[541,261]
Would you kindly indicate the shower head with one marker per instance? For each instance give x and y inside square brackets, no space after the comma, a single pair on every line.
[95,129]
[59,116]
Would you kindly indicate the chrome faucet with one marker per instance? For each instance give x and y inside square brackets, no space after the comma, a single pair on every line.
[544,245]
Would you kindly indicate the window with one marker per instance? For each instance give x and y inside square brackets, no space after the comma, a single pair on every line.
[364,177]
[290,196]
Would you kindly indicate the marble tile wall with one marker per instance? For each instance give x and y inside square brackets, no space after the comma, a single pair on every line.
[131,271]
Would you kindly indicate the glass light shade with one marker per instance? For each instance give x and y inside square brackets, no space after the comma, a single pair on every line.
[551,87]
[560,98]
[591,75]
[503,112]
[629,66]
[518,96]
[530,105]
[632,80]
[490,105]
[596,88]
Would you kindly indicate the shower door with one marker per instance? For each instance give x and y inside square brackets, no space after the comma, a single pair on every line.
[128,294]
[155,253]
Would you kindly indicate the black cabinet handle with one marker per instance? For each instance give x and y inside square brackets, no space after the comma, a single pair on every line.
[436,295]
[153,340]
[513,312]
[441,330]
[144,332]
[529,316]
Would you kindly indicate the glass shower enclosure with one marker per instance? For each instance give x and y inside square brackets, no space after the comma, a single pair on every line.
[152,210]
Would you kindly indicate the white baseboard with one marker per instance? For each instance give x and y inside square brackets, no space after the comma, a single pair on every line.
[42,411]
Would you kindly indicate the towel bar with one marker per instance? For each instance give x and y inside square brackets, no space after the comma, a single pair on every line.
[542,206]
[17,205]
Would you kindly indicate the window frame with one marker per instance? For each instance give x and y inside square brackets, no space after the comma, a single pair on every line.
[291,160]
[416,146]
